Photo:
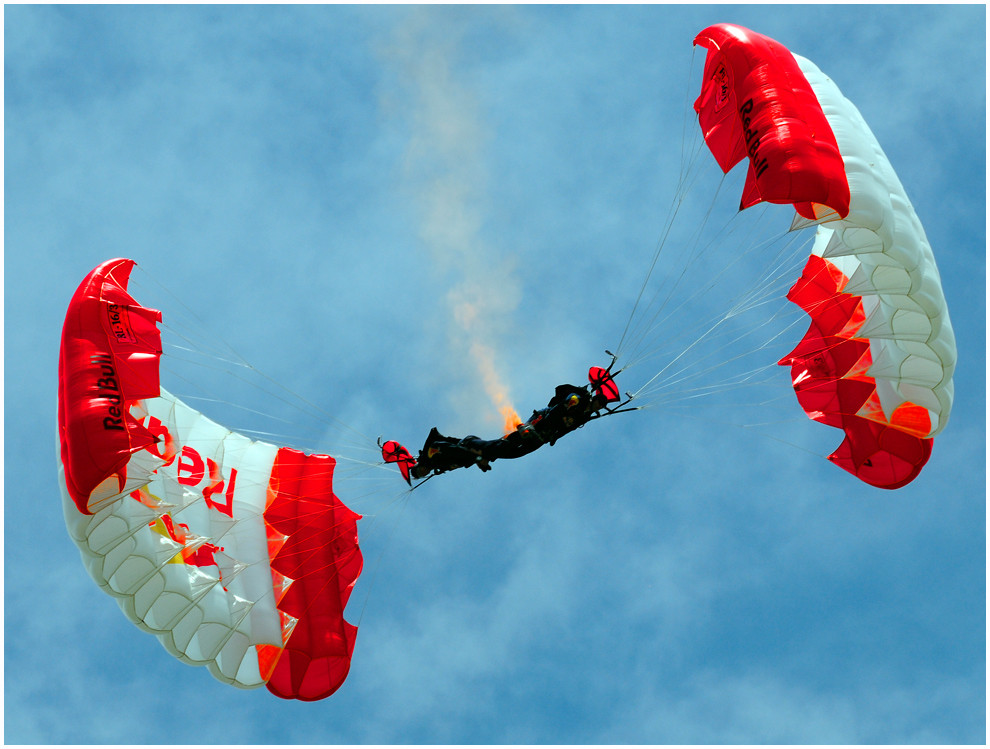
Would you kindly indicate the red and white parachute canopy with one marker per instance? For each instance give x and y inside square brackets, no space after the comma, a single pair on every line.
[878,359]
[236,554]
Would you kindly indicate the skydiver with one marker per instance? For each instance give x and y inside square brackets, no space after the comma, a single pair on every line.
[570,408]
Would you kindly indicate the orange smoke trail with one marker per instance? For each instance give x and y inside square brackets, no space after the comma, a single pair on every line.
[446,171]
[512,419]
[484,359]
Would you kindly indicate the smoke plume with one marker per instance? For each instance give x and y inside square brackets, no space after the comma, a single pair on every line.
[445,170]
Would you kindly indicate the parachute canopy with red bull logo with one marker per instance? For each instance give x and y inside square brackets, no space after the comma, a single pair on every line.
[235,553]
[878,358]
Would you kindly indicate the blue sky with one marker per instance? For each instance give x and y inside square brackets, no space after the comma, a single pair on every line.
[350,198]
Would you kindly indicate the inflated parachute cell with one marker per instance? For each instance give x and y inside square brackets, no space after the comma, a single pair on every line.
[878,358]
[236,554]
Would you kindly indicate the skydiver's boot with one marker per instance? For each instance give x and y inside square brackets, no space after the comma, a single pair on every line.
[434,438]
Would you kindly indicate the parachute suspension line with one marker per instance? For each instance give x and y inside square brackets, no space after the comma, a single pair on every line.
[759,427]
[686,122]
[757,299]
[646,333]
[371,576]
[769,286]
[711,282]
[678,200]
[349,468]
[225,359]
[238,369]
[243,430]
[670,392]
[765,290]
[637,331]
[647,327]
[693,250]
[691,150]
[686,375]
[687,401]
[746,333]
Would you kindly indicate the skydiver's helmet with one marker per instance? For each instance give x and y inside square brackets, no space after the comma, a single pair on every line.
[572,400]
